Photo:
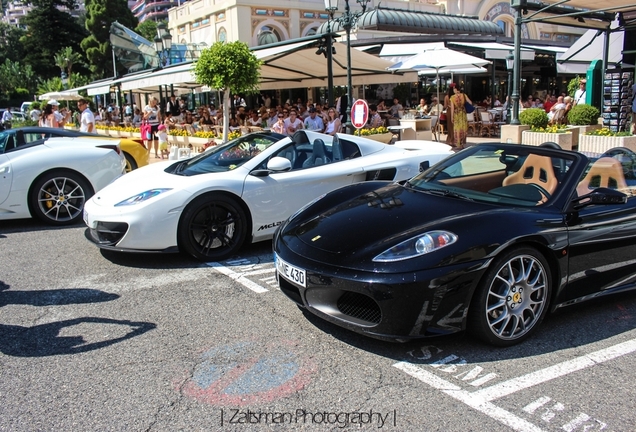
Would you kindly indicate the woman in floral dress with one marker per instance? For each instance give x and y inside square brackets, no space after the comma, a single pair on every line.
[458,117]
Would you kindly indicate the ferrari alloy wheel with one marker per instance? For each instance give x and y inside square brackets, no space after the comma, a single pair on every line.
[130,163]
[512,299]
[213,227]
[58,197]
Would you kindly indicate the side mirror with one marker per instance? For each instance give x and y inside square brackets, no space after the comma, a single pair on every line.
[275,164]
[600,196]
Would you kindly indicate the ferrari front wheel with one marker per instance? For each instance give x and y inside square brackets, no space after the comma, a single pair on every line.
[512,299]
[58,197]
[213,227]
[131,164]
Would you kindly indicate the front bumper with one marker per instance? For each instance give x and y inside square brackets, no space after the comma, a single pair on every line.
[395,306]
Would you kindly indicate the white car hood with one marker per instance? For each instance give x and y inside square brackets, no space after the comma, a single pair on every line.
[150,177]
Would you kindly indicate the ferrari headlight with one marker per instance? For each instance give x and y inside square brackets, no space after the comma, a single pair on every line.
[144,196]
[416,246]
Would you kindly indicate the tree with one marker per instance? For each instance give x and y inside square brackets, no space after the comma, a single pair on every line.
[230,67]
[10,45]
[49,31]
[65,59]
[100,14]
[148,29]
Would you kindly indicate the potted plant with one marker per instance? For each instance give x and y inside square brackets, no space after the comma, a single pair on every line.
[584,118]
[380,133]
[598,141]
[540,132]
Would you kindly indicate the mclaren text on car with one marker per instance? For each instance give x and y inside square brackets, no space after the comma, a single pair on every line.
[488,240]
[51,179]
[209,205]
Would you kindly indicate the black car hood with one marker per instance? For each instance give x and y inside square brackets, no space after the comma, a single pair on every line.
[351,232]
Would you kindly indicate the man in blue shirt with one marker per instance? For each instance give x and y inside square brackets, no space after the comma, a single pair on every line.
[313,122]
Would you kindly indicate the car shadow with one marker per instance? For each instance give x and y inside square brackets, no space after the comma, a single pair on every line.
[55,297]
[45,339]
[567,328]
[32,225]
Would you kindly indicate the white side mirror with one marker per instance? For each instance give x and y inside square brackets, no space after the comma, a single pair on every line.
[279,164]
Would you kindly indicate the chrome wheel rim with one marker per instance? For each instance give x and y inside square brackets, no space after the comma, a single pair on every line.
[213,227]
[516,297]
[61,199]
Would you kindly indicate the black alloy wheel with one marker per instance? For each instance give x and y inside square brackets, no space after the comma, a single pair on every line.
[213,227]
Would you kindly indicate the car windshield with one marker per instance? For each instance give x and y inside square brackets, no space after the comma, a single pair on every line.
[228,156]
[506,174]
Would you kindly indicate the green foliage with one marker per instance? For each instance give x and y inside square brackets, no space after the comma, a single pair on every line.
[148,29]
[402,91]
[573,85]
[229,65]
[100,14]
[583,115]
[66,58]
[13,76]
[534,117]
[10,45]
[50,30]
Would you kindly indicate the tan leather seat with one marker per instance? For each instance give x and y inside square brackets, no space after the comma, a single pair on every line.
[535,169]
[606,172]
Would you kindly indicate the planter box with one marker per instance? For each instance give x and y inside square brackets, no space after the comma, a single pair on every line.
[512,133]
[103,131]
[385,137]
[597,145]
[564,140]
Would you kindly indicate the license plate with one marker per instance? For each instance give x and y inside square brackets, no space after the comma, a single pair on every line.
[291,273]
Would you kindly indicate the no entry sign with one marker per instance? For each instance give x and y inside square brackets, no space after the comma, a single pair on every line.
[359,113]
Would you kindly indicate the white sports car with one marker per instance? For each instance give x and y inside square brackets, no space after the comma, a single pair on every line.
[210,204]
[52,179]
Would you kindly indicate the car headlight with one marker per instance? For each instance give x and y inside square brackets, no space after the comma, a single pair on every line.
[141,197]
[416,246]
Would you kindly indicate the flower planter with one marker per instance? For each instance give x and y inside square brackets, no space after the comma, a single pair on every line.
[564,140]
[103,132]
[136,135]
[178,139]
[512,133]
[597,144]
[385,137]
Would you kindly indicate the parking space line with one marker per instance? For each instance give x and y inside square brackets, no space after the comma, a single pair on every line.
[532,379]
[475,402]
[239,277]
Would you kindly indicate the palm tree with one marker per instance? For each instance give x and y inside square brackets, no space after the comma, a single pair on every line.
[65,59]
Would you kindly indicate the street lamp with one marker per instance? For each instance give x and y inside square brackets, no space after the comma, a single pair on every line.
[348,20]
[330,6]
[163,44]
[510,64]
[64,79]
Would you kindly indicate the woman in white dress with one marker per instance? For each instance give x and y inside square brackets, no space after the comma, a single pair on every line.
[333,125]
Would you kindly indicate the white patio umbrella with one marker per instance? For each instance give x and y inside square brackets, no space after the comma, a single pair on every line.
[441,60]
[60,96]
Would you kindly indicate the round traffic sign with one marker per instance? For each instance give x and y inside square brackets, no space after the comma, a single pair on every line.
[359,113]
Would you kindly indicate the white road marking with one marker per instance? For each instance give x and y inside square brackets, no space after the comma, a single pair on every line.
[239,277]
[533,406]
[481,400]
[477,403]
[532,379]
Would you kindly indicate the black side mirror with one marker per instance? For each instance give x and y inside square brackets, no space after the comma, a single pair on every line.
[599,196]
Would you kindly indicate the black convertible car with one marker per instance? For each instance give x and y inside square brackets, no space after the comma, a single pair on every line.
[487,240]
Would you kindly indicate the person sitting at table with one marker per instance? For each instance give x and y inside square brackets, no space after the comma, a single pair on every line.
[436,107]
[313,122]
[293,123]
[396,108]
[206,119]
[234,124]
[168,121]
[381,105]
[497,102]
[422,108]
[374,119]
[560,105]
[334,124]
[254,119]
[279,126]
[189,118]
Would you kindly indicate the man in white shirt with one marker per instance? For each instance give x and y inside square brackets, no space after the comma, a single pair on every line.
[59,118]
[579,95]
[87,121]
[6,119]
[35,112]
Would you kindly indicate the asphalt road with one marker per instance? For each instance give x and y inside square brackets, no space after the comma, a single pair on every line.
[93,341]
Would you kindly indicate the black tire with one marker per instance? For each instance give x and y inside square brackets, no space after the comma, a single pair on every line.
[507,310]
[212,228]
[58,197]
[130,163]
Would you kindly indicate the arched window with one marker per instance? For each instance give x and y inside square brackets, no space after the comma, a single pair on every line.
[222,37]
[268,35]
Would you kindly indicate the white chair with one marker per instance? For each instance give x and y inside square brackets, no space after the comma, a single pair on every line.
[435,127]
[184,153]
[472,124]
